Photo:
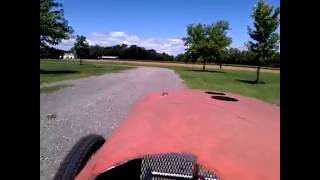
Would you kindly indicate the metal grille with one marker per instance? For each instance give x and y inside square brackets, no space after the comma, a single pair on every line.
[171,166]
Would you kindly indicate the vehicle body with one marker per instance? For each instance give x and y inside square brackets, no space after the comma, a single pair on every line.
[230,136]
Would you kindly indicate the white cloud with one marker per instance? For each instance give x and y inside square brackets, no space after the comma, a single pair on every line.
[118,34]
[176,41]
[90,42]
[133,38]
[66,44]
[97,35]
[172,46]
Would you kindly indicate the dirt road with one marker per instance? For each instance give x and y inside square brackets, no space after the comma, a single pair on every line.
[93,105]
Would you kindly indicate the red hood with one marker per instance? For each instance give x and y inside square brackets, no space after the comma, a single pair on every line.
[234,139]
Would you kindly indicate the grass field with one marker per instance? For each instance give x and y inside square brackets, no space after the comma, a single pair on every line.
[173,64]
[55,70]
[239,82]
[229,80]
[52,88]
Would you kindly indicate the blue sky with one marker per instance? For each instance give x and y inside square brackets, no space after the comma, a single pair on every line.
[157,24]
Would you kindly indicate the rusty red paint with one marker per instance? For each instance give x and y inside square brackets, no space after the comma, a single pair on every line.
[234,139]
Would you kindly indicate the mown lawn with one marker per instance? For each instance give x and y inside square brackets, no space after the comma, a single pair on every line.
[58,70]
[236,81]
[239,82]
[52,88]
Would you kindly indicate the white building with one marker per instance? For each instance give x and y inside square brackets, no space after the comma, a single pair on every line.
[109,57]
[68,55]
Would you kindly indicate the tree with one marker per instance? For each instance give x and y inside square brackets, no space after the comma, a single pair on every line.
[195,42]
[94,52]
[51,53]
[218,40]
[275,61]
[207,42]
[265,40]
[124,51]
[81,47]
[53,26]
[181,58]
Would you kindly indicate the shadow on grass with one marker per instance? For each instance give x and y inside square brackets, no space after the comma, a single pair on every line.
[215,93]
[199,70]
[224,98]
[250,81]
[57,72]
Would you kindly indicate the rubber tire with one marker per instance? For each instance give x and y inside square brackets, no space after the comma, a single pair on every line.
[78,157]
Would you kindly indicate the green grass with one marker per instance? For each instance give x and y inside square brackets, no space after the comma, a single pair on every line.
[55,70]
[52,88]
[225,80]
[234,81]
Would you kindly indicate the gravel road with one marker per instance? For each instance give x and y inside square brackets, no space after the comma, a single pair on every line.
[93,105]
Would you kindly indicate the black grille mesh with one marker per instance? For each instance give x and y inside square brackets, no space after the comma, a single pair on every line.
[174,164]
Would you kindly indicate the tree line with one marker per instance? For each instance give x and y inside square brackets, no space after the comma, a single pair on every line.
[50,53]
[123,51]
[234,56]
[230,56]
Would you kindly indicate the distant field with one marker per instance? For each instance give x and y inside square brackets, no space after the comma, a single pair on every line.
[235,81]
[172,64]
[57,70]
